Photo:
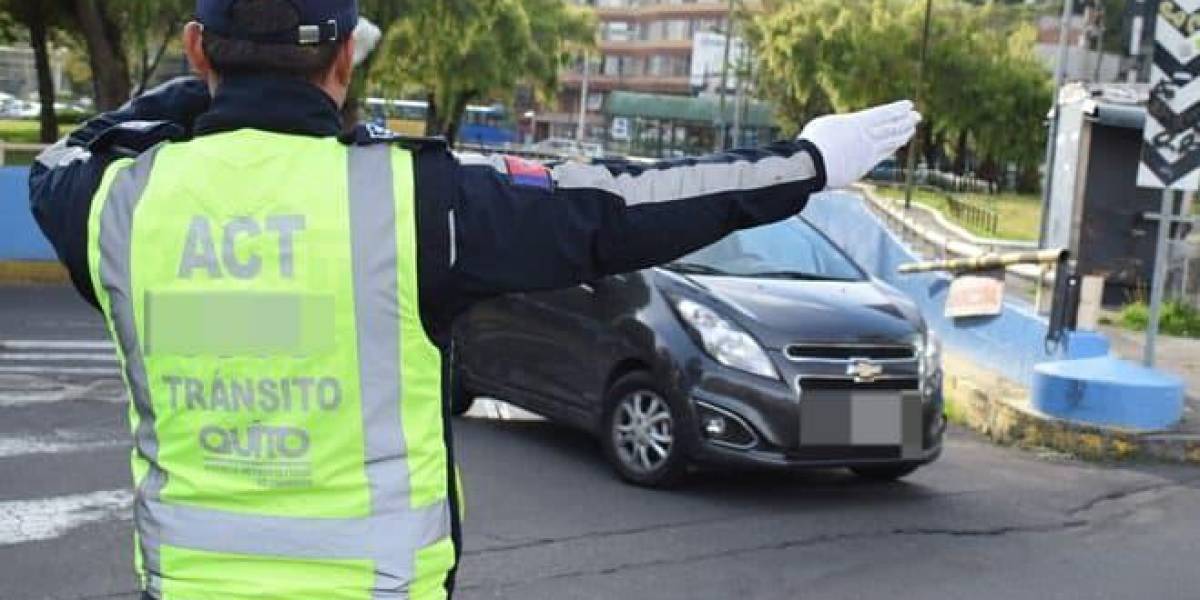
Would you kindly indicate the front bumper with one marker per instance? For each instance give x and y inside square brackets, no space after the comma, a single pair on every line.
[770,410]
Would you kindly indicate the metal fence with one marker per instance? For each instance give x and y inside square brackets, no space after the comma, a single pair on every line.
[947,182]
[966,212]
[973,215]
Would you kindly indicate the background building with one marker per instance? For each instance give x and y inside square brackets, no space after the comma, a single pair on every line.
[18,75]
[664,55]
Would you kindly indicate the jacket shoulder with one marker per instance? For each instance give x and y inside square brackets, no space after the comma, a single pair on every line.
[370,134]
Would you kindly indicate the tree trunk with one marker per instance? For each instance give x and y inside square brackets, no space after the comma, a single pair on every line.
[106,54]
[455,117]
[960,154]
[929,145]
[41,58]
[433,122]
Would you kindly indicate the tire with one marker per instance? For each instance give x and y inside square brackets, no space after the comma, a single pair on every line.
[642,434]
[886,472]
[462,398]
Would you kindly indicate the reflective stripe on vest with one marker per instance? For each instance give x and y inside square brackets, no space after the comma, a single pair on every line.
[236,495]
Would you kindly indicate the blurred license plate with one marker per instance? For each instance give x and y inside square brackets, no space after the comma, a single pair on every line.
[861,418]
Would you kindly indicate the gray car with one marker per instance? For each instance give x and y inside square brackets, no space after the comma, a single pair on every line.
[768,348]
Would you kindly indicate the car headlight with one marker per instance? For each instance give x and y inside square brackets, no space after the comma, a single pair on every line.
[930,347]
[727,343]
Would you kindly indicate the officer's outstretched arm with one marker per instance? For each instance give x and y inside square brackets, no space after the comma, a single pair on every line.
[65,177]
[519,226]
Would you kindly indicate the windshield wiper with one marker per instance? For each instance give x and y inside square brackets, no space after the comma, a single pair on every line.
[690,268]
[796,275]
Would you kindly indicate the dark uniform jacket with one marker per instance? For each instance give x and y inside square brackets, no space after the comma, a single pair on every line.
[487,225]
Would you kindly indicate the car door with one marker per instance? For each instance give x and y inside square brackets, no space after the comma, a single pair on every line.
[492,344]
[577,341]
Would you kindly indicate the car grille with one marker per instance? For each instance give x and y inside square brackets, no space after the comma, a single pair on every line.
[893,384]
[802,352]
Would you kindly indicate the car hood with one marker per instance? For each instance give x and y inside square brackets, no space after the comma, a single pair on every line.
[782,312]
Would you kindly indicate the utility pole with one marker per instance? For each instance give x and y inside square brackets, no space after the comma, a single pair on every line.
[583,99]
[1060,74]
[739,104]
[910,176]
[720,145]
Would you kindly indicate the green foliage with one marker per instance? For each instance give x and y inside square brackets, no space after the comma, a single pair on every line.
[982,79]
[149,28]
[1178,318]
[456,51]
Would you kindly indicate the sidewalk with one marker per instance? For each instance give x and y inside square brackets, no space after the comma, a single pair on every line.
[1000,408]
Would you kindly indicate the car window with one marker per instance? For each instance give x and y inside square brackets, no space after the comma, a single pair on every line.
[790,249]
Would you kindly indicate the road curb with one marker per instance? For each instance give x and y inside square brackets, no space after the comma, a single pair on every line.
[999,409]
[32,272]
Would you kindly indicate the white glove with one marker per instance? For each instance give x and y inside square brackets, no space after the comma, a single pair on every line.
[366,38]
[852,144]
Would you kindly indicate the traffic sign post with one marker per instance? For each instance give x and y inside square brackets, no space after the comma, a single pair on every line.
[1171,148]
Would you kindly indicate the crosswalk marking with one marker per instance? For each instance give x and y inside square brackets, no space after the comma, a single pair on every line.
[37,374]
[59,358]
[28,390]
[66,356]
[24,521]
[56,345]
[60,443]
[54,370]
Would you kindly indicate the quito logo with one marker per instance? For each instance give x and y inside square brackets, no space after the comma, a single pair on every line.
[258,442]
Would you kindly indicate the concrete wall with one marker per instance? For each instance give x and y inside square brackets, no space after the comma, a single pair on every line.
[1011,343]
[20,237]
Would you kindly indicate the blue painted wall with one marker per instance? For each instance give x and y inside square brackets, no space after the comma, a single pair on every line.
[1012,343]
[20,237]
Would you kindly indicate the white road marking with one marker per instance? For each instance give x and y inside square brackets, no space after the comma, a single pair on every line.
[61,443]
[24,390]
[56,370]
[56,345]
[23,521]
[497,410]
[28,357]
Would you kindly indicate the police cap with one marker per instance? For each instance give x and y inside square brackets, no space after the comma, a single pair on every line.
[321,21]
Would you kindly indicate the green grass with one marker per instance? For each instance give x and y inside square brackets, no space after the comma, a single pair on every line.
[1019,214]
[1178,318]
[26,131]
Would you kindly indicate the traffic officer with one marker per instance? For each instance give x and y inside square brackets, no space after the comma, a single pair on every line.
[281,297]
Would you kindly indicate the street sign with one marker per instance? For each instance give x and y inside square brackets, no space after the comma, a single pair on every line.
[975,296]
[1171,150]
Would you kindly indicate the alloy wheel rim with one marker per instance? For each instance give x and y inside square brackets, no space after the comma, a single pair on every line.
[643,431]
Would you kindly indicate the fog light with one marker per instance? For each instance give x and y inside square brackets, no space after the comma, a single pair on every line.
[715,426]
[725,428]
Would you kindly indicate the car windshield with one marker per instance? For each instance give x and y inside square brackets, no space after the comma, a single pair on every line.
[790,249]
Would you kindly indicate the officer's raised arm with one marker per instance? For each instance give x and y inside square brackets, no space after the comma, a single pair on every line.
[519,226]
[65,177]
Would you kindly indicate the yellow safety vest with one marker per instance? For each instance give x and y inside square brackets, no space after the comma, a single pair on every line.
[285,399]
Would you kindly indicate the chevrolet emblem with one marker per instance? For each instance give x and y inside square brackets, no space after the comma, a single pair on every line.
[864,370]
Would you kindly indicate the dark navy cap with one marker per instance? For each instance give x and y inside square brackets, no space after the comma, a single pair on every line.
[321,21]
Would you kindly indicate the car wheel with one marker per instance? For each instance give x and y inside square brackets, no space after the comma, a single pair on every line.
[462,398]
[642,438]
[885,473]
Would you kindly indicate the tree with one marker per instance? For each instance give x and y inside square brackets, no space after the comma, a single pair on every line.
[983,86]
[153,26]
[458,51]
[384,13]
[38,18]
[106,51]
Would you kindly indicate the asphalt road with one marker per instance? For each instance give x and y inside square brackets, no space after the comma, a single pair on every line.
[547,520]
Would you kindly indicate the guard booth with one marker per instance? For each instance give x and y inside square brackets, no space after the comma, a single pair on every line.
[1096,209]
